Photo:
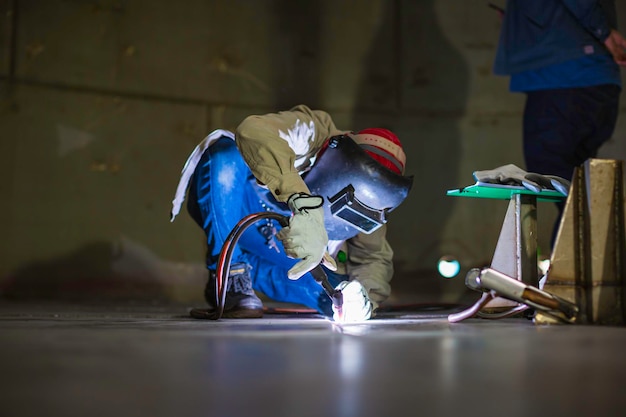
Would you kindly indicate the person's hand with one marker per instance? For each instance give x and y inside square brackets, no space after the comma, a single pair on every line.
[356,303]
[513,175]
[305,237]
[616,44]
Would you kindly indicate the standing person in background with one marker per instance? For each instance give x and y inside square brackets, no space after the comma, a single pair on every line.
[565,56]
[335,186]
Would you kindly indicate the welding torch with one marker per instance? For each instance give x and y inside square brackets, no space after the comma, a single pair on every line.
[335,295]
[494,283]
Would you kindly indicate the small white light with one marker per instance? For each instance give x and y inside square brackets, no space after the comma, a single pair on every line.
[544,265]
[448,267]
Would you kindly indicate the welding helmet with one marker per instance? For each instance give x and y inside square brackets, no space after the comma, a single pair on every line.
[360,182]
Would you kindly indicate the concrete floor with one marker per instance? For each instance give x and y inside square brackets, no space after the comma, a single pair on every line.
[152,360]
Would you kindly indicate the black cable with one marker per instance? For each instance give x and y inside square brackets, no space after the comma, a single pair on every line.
[226,254]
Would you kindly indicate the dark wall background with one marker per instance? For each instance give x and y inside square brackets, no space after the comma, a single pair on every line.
[102,101]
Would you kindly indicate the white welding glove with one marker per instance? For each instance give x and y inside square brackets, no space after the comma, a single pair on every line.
[513,175]
[305,237]
[356,303]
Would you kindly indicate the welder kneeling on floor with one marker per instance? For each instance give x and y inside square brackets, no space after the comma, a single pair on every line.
[336,188]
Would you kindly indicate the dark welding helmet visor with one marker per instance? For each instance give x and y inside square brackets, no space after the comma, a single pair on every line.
[358,191]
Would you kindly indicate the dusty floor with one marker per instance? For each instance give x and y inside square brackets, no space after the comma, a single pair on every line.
[124,359]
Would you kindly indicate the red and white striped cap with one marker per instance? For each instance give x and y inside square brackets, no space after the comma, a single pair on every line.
[382,145]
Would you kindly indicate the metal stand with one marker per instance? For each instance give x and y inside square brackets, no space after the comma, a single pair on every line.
[515,256]
[586,282]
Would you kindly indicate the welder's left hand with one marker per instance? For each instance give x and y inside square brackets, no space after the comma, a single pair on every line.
[305,237]
[356,303]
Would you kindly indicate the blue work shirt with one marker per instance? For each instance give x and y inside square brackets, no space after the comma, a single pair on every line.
[539,34]
[587,71]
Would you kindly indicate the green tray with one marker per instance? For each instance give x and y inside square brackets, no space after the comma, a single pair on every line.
[503,192]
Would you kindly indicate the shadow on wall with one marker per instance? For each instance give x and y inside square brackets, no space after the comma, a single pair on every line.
[295,56]
[101,271]
[425,95]
[412,81]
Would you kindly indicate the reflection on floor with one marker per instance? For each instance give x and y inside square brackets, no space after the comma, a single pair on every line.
[151,360]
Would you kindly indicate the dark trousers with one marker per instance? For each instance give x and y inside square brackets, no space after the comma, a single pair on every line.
[565,127]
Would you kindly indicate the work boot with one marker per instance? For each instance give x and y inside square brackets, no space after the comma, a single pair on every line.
[241,301]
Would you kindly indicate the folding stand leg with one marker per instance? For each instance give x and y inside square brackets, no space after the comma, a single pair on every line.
[515,256]
[516,250]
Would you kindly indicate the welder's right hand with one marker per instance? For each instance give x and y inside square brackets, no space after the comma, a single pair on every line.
[356,303]
[305,237]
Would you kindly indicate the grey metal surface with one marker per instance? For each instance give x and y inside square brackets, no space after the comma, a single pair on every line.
[124,360]
[588,262]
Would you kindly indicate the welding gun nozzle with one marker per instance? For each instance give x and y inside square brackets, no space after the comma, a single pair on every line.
[337,299]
